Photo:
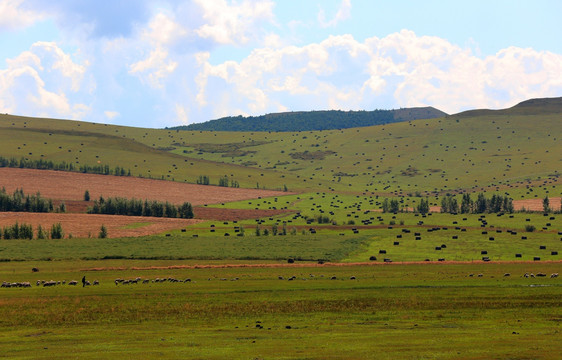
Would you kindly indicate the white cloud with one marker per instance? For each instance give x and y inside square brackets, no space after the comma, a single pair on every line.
[344,13]
[111,114]
[181,114]
[402,69]
[154,68]
[14,16]
[37,82]
[232,23]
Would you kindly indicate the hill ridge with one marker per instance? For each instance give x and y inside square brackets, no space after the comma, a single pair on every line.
[534,106]
[315,120]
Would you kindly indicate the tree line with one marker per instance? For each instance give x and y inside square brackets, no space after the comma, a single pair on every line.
[25,231]
[135,207]
[63,166]
[481,205]
[449,204]
[224,181]
[20,202]
[311,120]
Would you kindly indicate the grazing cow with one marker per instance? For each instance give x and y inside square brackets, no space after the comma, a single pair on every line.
[553,275]
[507,274]
[73,283]
[96,282]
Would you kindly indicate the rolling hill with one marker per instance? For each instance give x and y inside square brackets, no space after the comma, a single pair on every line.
[472,151]
[314,120]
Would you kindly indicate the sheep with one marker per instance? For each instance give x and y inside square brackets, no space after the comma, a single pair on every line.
[96,282]
[507,274]
[73,282]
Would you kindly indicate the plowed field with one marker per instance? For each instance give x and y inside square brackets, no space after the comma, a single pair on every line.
[84,225]
[60,185]
[536,204]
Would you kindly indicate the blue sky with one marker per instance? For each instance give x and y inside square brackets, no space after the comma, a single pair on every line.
[170,62]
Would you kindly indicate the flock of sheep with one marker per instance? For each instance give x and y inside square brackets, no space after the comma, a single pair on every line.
[45,283]
[139,280]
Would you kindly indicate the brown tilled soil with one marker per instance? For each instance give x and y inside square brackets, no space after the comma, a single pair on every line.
[69,186]
[234,214]
[303,265]
[84,225]
[536,204]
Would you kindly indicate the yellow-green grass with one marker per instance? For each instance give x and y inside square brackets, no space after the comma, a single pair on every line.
[388,312]
[86,144]
[463,235]
[456,152]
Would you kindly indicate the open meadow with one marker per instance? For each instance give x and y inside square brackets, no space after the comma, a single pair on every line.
[282,312]
[291,251]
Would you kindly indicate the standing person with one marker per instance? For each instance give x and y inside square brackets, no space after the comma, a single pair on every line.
[84,281]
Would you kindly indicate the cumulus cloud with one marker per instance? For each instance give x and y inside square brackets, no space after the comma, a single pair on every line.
[15,15]
[38,81]
[114,19]
[344,13]
[232,23]
[154,68]
[111,114]
[399,70]
[159,61]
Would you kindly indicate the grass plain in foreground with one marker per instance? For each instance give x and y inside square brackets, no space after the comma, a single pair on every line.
[387,311]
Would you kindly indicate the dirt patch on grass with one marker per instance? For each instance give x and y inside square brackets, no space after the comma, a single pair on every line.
[234,214]
[305,265]
[68,186]
[84,225]
[536,204]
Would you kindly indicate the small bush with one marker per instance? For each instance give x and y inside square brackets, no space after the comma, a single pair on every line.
[103,232]
[56,231]
[530,228]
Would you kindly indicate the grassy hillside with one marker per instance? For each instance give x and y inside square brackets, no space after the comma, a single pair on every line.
[475,151]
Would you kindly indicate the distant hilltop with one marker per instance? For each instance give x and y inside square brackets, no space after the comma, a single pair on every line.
[527,107]
[315,120]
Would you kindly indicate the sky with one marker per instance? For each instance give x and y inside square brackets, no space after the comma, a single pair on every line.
[163,63]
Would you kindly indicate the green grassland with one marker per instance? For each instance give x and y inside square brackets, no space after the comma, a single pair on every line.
[425,310]
[468,151]
[386,312]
